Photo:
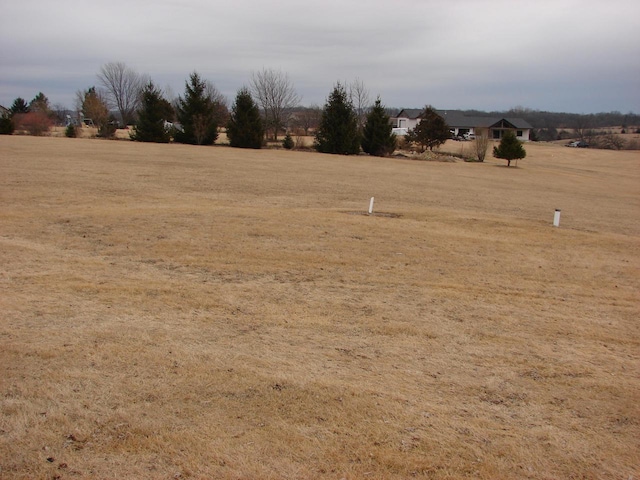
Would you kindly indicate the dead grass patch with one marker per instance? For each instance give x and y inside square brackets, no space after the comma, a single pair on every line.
[171,311]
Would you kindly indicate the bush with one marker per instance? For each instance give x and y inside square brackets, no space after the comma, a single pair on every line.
[608,141]
[481,144]
[33,123]
[70,131]
[288,142]
[108,130]
[6,126]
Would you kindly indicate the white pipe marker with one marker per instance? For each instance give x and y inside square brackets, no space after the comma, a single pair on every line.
[371,206]
[556,218]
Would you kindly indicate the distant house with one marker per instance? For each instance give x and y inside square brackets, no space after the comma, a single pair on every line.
[4,112]
[461,124]
[407,118]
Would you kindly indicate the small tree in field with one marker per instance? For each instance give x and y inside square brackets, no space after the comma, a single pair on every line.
[245,128]
[338,130]
[288,142]
[481,144]
[377,136]
[70,131]
[431,132]
[510,148]
[153,112]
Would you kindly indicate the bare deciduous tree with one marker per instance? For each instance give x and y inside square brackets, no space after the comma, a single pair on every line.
[360,99]
[583,124]
[308,118]
[481,143]
[277,96]
[219,101]
[123,86]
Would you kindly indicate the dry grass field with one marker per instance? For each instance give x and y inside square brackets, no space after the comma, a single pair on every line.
[172,311]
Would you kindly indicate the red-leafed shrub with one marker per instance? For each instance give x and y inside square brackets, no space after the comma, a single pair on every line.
[32,123]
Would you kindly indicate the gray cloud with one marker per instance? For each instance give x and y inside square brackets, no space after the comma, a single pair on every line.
[485,54]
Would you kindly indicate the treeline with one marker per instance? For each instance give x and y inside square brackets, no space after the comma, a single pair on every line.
[267,107]
[347,124]
[550,126]
[563,120]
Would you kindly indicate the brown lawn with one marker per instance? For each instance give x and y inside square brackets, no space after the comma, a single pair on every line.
[172,311]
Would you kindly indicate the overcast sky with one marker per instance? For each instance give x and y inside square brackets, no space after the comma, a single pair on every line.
[578,56]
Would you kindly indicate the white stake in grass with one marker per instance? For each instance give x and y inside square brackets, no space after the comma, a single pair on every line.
[556,218]
[371,206]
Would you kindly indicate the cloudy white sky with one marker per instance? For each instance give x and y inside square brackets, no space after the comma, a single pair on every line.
[579,56]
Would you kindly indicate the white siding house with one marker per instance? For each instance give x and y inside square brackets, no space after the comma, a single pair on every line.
[461,124]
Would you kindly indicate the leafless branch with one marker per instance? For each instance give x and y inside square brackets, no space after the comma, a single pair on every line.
[277,96]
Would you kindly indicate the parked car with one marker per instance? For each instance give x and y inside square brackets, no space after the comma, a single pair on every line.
[578,144]
[469,136]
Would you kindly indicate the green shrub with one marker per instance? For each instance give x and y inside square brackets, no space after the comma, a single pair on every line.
[70,131]
[288,142]
[6,126]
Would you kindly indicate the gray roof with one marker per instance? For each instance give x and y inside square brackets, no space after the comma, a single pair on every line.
[410,113]
[460,120]
[457,119]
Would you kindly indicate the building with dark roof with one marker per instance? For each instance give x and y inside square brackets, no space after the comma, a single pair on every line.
[461,124]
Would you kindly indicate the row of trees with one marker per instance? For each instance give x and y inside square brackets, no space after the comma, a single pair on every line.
[345,125]
[261,110]
[36,116]
[340,130]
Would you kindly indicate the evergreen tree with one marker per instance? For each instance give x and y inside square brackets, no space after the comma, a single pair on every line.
[378,138]
[19,106]
[196,113]
[288,142]
[94,107]
[40,103]
[510,148]
[153,112]
[338,130]
[6,126]
[245,128]
[431,132]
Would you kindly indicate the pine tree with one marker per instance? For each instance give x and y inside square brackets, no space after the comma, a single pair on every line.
[152,114]
[378,138]
[510,148]
[338,130]
[196,114]
[245,128]
[19,106]
[431,132]
[288,142]
[40,103]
